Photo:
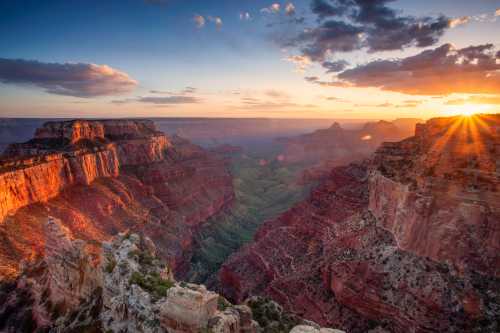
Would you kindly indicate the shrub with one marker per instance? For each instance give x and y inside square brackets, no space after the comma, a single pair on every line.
[152,283]
[222,303]
[110,265]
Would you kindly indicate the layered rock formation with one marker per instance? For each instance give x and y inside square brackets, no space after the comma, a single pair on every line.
[126,288]
[405,242]
[102,177]
[324,149]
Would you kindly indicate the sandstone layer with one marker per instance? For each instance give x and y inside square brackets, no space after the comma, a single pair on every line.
[103,177]
[405,242]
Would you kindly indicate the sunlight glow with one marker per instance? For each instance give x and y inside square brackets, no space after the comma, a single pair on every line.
[467,110]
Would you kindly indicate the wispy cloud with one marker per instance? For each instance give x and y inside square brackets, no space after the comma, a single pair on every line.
[245,16]
[491,100]
[160,100]
[184,96]
[302,63]
[199,21]
[290,9]
[276,94]
[272,9]
[216,20]
[70,79]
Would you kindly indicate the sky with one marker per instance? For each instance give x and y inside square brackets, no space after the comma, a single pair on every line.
[342,59]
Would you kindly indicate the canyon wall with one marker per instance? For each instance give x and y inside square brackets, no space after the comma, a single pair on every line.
[407,241]
[103,177]
[74,152]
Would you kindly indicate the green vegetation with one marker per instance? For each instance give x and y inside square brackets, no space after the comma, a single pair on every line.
[271,316]
[143,257]
[152,283]
[110,265]
[222,303]
[263,192]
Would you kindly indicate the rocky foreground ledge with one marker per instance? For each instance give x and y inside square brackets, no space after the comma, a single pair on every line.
[127,288]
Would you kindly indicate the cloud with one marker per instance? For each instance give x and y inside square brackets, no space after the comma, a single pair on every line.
[329,37]
[290,9]
[189,90]
[335,66]
[459,21]
[186,90]
[169,100]
[216,20]
[349,25]
[316,80]
[160,92]
[276,94]
[69,79]
[492,100]
[245,16]
[250,103]
[199,21]
[163,100]
[272,9]
[440,71]
[324,9]
[301,62]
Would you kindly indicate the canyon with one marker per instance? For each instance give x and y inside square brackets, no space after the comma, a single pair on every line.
[373,229]
[405,241]
[103,177]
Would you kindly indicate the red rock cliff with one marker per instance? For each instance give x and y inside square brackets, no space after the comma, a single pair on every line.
[407,242]
[74,152]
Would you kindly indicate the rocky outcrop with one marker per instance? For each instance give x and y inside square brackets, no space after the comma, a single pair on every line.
[130,290]
[63,154]
[103,177]
[404,242]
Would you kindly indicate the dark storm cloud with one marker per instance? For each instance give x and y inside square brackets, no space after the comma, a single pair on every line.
[330,36]
[439,71]
[78,80]
[348,25]
[335,66]
[325,8]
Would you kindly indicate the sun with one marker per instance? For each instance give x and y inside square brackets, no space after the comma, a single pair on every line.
[466,110]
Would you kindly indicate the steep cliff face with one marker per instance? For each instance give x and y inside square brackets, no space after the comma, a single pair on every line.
[439,192]
[371,248]
[102,177]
